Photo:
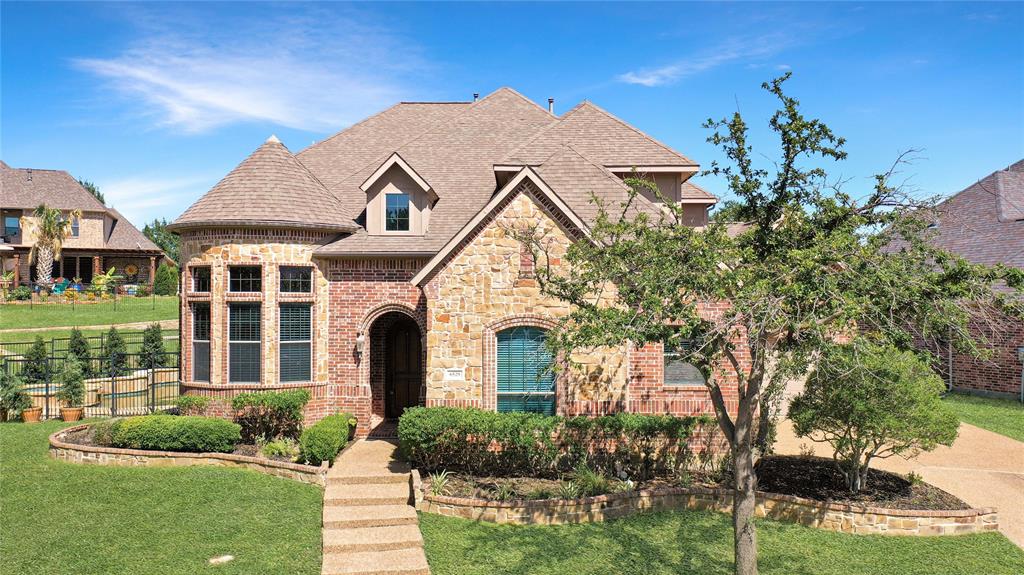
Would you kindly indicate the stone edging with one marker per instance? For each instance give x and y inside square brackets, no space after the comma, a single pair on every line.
[823,515]
[96,455]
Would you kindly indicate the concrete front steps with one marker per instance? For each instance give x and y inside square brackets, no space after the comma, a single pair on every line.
[369,524]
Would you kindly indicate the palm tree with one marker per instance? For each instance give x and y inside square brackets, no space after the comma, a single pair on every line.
[50,228]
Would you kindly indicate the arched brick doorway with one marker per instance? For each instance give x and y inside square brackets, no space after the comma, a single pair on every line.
[396,365]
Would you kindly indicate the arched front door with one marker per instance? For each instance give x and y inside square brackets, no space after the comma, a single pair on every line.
[403,367]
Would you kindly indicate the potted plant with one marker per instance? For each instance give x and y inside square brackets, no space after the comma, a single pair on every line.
[13,398]
[72,390]
[6,280]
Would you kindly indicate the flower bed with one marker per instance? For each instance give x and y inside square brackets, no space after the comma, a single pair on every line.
[61,448]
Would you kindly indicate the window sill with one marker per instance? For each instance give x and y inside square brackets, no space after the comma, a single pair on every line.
[250,386]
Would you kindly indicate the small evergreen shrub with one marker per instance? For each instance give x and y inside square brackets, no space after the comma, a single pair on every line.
[285,447]
[21,293]
[192,404]
[325,439]
[152,355]
[177,433]
[13,397]
[35,369]
[79,349]
[166,280]
[142,291]
[103,431]
[115,355]
[270,414]
[71,384]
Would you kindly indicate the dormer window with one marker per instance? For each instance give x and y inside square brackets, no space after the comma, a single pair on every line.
[396,212]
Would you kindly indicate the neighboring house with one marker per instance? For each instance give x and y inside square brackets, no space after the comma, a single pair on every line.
[101,239]
[985,224]
[379,268]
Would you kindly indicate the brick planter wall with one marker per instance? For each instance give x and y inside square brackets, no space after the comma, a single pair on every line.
[96,455]
[829,516]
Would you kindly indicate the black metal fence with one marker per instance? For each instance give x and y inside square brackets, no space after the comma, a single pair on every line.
[115,385]
[116,294]
[58,347]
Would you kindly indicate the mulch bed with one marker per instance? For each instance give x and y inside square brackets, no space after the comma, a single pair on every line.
[817,478]
[86,436]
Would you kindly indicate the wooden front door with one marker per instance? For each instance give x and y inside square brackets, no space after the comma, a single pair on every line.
[403,371]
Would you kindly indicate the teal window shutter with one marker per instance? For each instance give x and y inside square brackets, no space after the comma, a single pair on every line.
[526,380]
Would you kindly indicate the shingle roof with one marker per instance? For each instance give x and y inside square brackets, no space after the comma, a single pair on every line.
[985,222]
[269,188]
[125,236]
[599,136]
[691,191]
[26,188]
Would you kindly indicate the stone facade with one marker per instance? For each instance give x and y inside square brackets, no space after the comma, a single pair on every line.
[828,516]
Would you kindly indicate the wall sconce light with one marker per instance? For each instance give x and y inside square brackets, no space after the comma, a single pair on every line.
[360,344]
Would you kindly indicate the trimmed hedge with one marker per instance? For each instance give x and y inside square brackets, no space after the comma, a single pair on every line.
[325,439]
[270,414]
[486,443]
[176,433]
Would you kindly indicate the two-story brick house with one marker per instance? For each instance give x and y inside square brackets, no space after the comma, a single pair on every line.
[379,268]
[102,238]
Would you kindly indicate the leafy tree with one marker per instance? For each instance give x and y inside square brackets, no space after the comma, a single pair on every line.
[868,400]
[92,189]
[71,384]
[79,349]
[49,227]
[759,305]
[166,280]
[36,367]
[152,355]
[169,242]
[727,211]
[115,354]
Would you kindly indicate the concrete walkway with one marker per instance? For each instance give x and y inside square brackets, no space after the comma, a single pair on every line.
[369,524]
[984,469]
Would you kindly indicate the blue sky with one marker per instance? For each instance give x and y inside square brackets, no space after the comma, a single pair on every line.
[155,102]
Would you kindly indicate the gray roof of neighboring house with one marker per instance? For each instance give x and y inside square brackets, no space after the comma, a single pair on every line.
[453,147]
[984,223]
[26,189]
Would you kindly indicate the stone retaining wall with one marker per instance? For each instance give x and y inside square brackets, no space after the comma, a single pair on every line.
[96,455]
[830,516]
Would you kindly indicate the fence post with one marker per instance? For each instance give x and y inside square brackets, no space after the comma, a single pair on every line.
[152,389]
[46,390]
[113,386]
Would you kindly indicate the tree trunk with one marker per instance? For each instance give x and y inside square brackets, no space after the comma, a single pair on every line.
[743,503]
[44,266]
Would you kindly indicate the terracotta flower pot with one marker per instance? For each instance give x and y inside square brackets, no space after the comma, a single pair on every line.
[71,413]
[32,414]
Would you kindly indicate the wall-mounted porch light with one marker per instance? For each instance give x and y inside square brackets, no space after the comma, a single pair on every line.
[360,344]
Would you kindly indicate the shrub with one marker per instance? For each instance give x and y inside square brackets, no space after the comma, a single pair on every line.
[166,280]
[21,293]
[115,355]
[36,367]
[142,291]
[103,431]
[78,348]
[509,444]
[71,382]
[325,439]
[284,447]
[192,404]
[176,433]
[869,400]
[152,354]
[270,414]
[13,398]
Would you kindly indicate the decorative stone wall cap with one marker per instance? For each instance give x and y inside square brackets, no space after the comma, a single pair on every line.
[55,442]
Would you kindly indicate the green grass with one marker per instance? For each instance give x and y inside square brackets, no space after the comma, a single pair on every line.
[170,344]
[699,542]
[1002,416]
[67,518]
[126,310]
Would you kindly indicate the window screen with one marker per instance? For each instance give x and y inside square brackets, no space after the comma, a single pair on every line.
[396,216]
[296,280]
[245,279]
[201,279]
[244,343]
[526,381]
[201,342]
[296,342]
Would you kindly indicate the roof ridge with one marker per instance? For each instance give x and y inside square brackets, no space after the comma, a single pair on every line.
[343,130]
[634,128]
[522,97]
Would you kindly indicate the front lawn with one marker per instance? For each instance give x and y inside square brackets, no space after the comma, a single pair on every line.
[1002,416]
[67,518]
[125,310]
[700,542]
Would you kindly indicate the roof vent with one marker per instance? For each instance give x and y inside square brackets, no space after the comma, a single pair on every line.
[476,96]
[28,172]
[551,106]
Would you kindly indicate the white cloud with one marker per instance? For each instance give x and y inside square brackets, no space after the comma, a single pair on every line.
[729,52]
[318,72]
[142,197]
